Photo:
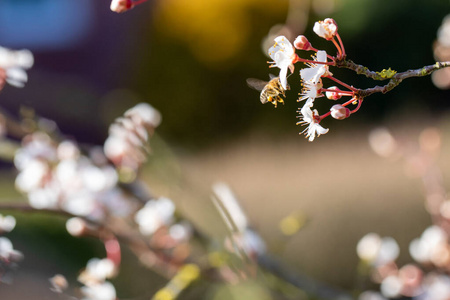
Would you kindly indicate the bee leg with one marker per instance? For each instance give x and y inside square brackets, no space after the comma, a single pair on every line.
[273,100]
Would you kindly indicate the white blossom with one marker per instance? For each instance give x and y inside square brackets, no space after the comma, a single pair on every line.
[97,270]
[14,64]
[7,251]
[326,29]
[376,250]
[283,55]
[155,214]
[316,71]
[99,291]
[7,223]
[310,92]
[308,117]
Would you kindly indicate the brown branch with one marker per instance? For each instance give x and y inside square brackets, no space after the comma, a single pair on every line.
[359,69]
[153,258]
[397,78]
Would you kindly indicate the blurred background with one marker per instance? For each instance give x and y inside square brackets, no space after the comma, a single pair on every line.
[190,60]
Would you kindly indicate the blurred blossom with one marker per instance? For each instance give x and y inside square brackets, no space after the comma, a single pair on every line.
[181,232]
[13,65]
[425,249]
[127,143]
[371,295]
[382,142]
[430,140]
[67,150]
[411,277]
[34,146]
[154,214]
[376,250]
[441,78]
[57,175]
[59,283]
[391,287]
[436,287]
[444,209]
[76,226]
[7,223]
[43,198]
[97,270]
[99,291]
[7,251]
[443,34]
[32,176]
[81,203]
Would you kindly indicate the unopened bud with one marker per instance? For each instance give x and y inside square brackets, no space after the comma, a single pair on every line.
[302,43]
[120,6]
[333,95]
[340,112]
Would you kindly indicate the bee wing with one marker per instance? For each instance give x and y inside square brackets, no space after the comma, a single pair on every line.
[271,76]
[256,84]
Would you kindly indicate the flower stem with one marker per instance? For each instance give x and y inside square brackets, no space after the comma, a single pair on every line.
[357,107]
[341,43]
[344,93]
[337,47]
[137,2]
[299,59]
[342,83]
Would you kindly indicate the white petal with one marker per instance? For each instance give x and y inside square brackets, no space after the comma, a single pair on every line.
[321,56]
[16,77]
[283,78]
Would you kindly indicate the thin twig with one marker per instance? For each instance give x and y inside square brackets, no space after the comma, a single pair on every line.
[397,78]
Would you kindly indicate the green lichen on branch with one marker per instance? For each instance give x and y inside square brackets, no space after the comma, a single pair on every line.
[387,74]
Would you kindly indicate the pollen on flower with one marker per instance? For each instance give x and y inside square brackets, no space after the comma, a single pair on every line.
[311,117]
[326,29]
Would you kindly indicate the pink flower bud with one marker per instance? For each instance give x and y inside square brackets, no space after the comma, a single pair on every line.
[340,112]
[120,6]
[333,95]
[302,43]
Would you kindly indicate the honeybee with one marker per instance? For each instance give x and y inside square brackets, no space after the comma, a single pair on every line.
[271,90]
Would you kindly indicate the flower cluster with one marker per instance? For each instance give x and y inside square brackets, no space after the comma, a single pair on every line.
[56,175]
[284,57]
[428,278]
[431,249]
